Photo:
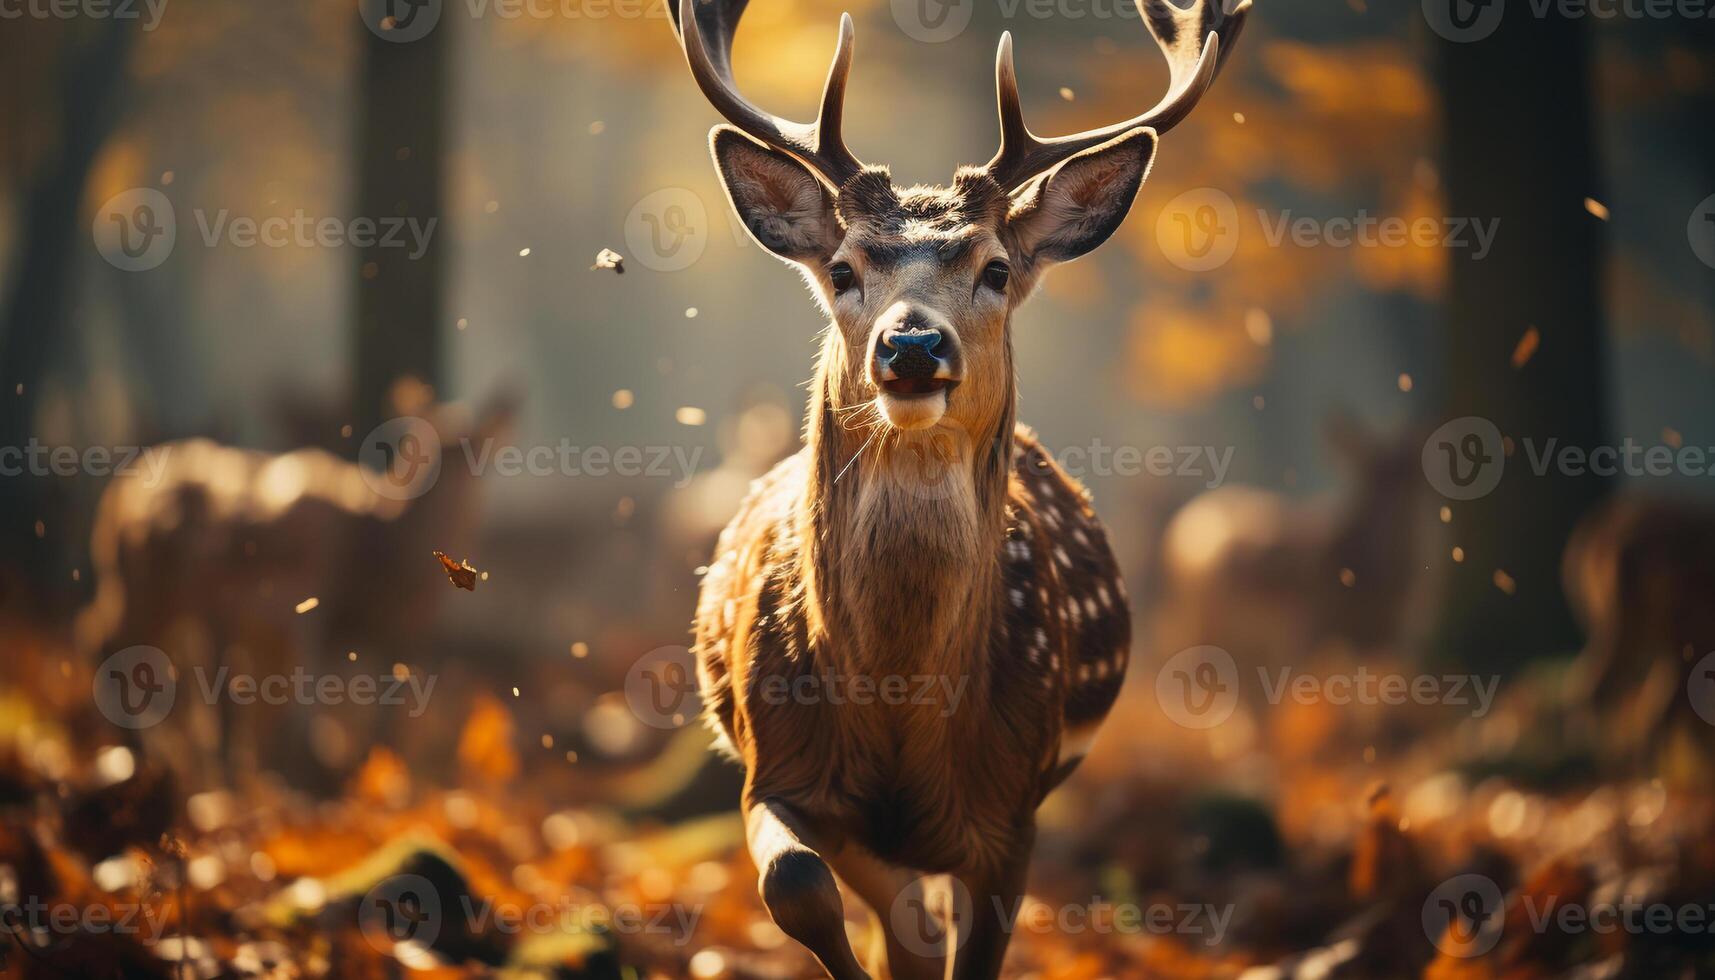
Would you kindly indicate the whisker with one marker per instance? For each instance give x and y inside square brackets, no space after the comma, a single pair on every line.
[855,455]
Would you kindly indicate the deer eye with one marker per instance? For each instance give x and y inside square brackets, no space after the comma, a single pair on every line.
[842,276]
[995,276]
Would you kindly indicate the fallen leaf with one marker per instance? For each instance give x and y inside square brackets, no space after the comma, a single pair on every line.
[460,573]
[607,258]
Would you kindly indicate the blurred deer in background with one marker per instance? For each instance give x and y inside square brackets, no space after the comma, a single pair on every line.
[920,533]
[210,562]
[1639,574]
[1268,579]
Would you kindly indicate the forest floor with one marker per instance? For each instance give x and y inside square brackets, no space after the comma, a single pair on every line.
[1300,842]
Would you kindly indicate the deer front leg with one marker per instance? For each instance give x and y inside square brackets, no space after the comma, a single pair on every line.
[798,887]
[995,900]
[914,948]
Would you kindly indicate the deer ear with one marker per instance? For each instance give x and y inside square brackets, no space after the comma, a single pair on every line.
[1081,202]
[782,204]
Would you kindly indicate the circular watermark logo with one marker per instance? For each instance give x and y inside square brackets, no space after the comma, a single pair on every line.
[1198,230]
[1463,916]
[1464,458]
[932,915]
[1701,231]
[661,688]
[1462,21]
[932,21]
[135,687]
[401,458]
[401,909]
[1198,688]
[400,21]
[1700,688]
[135,231]
[667,230]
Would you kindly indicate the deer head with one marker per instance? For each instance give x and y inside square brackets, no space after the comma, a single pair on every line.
[921,282]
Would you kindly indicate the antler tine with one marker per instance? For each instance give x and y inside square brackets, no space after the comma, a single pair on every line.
[1196,41]
[820,144]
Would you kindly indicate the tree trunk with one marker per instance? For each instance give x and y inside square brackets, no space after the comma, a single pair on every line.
[400,146]
[1520,148]
[53,233]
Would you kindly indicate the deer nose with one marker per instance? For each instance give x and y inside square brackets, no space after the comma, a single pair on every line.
[909,354]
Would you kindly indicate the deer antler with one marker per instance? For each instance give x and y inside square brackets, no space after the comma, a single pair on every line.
[1196,41]
[819,145]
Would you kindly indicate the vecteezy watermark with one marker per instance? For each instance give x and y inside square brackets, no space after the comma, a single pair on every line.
[937,690]
[1365,230]
[402,459]
[1473,20]
[300,229]
[1206,922]
[932,915]
[563,458]
[936,21]
[932,21]
[1464,459]
[1700,688]
[1467,916]
[936,463]
[668,229]
[410,909]
[148,12]
[1463,915]
[48,924]
[146,463]
[1700,230]
[1464,20]
[1199,230]
[1205,463]
[137,688]
[1200,688]
[661,688]
[401,21]
[137,230]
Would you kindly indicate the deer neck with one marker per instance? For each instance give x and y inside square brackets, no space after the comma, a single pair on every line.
[901,533]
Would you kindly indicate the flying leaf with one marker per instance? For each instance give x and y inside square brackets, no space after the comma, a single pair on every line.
[460,573]
[607,258]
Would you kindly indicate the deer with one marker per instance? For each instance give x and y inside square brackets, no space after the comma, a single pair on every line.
[1638,573]
[1268,579]
[920,531]
[215,562]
